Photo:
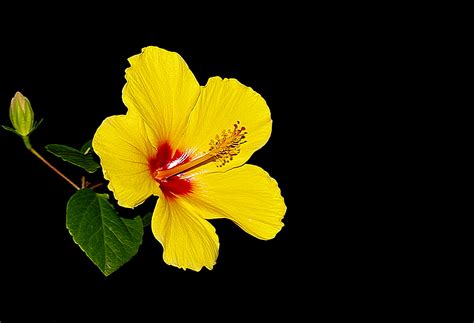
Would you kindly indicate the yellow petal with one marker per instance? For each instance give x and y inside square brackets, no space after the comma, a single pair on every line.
[123,145]
[246,195]
[162,90]
[189,242]
[221,104]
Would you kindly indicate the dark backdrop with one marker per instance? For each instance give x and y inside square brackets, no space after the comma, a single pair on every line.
[337,82]
[73,74]
[349,88]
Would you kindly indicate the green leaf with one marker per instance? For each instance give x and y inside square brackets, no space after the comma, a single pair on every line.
[107,239]
[146,219]
[74,157]
[87,148]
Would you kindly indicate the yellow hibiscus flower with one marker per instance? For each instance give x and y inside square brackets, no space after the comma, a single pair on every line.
[188,145]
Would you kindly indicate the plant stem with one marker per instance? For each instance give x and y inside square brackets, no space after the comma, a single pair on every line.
[26,140]
[96,185]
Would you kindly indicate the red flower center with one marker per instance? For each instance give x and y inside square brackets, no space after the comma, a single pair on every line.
[168,167]
[175,185]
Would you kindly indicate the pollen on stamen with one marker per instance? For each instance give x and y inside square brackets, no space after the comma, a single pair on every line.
[227,145]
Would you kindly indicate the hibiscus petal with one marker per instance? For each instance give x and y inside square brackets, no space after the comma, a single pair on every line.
[246,195]
[221,104]
[162,90]
[189,242]
[123,145]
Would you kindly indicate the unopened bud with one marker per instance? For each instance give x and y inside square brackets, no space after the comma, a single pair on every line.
[21,115]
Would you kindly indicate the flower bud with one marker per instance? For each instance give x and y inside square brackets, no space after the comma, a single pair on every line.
[21,115]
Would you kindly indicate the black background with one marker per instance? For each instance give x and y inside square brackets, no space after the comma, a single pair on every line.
[338,82]
[73,73]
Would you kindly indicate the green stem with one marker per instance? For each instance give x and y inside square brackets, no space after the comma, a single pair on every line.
[27,143]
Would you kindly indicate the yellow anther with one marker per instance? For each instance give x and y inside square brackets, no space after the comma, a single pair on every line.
[222,150]
[227,145]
